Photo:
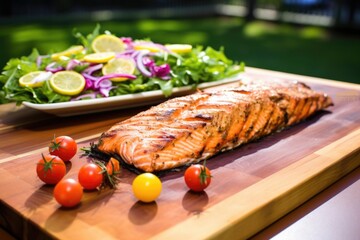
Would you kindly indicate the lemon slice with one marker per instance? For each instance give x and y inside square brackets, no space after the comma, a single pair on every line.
[119,65]
[179,48]
[34,79]
[145,46]
[107,43]
[68,52]
[67,82]
[102,57]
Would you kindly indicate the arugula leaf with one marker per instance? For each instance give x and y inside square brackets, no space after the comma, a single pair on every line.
[199,66]
[86,41]
[51,96]
[165,86]
[12,91]
[13,70]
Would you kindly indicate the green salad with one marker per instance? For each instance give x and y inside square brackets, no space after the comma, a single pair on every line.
[104,65]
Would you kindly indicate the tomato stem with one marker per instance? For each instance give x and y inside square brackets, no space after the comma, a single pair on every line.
[203,175]
[47,164]
[55,145]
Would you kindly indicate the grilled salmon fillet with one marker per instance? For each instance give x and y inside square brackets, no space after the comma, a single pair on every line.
[192,128]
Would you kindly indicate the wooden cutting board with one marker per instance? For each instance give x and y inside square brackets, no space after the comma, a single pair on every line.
[252,186]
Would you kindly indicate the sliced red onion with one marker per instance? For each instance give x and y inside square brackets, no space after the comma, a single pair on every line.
[160,71]
[113,75]
[127,40]
[127,53]
[88,84]
[106,91]
[43,77]
[39,60]
[105,84]
[72,64]
[148,62]
[52,68]
[134,54]
[92,69]
[90,77]
[140,64]
[86,95]
[166,78]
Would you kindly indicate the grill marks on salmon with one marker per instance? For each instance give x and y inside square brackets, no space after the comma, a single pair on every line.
[192,128]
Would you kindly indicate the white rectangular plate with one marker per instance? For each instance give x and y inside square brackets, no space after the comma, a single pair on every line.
[72,108]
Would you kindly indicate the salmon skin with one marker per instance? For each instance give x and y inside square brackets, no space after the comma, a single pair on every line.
[192,128]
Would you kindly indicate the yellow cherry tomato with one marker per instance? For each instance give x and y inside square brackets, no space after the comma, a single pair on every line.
[147,187]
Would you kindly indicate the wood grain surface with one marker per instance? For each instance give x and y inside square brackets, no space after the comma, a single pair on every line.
[252,186]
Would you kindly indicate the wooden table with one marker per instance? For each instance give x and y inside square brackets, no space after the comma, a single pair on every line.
[253,186]
[332,214]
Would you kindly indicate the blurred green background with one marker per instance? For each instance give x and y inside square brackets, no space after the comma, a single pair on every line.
[302,49]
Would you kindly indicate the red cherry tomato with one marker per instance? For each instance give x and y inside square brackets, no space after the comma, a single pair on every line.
[90,176]
[68,192]
[50,169]
[197,177]
[64,147]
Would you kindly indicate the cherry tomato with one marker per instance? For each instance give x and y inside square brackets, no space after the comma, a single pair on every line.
[146,187]
[50,169]
[68,192]
[64,147]
[197,177]
[90,176]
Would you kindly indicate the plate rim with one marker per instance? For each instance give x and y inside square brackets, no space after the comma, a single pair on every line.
[126,97]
